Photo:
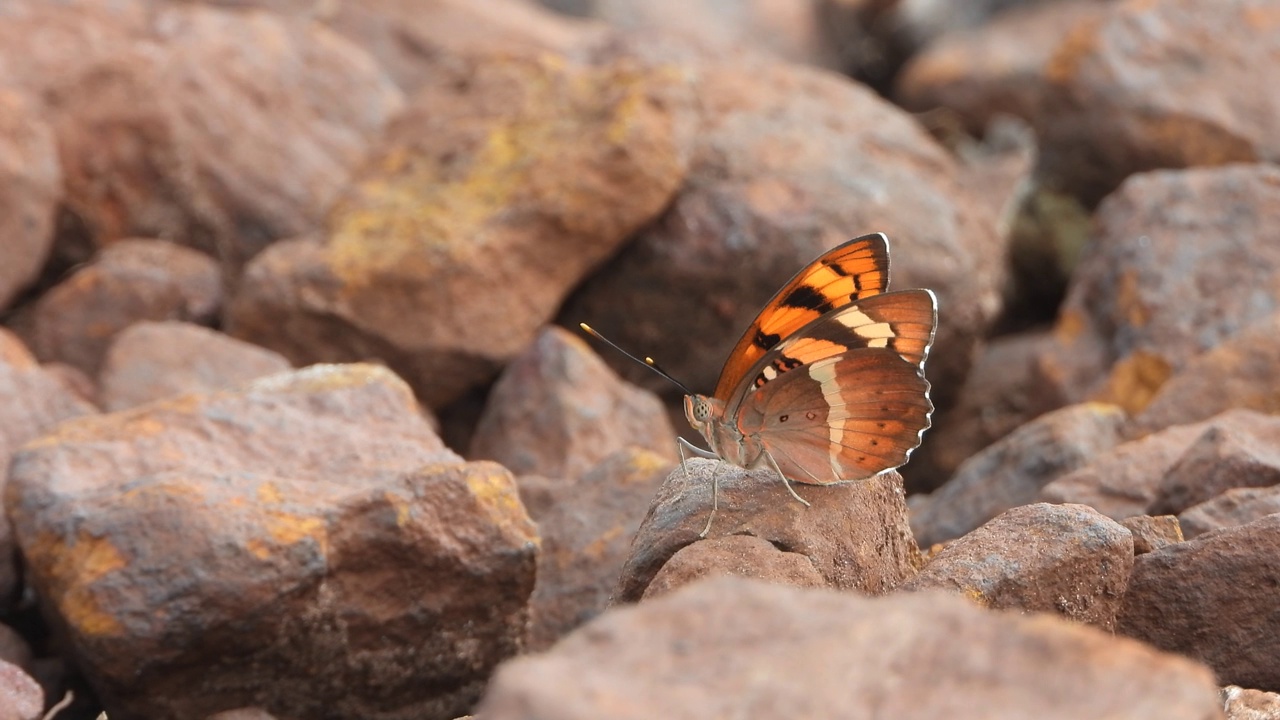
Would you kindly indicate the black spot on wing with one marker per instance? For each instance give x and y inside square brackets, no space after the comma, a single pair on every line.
[807,297]
[766,341]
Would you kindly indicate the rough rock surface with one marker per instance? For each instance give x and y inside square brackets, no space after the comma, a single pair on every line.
[1064,559]
[557,410]
[855,534]
[1126,325]
[1242,450]
[311,526]
[1231,508]
[30,180]
[486,202]
[1245,704]
[1012,471]
[737,555]
[1152,533]
[221,129]
[730,647]
[154,360]
[34,402]
[20,696]
[1242,372]
[129,281]
[586,524]
[1213,599]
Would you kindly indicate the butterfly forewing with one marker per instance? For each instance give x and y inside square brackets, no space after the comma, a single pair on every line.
[842,418]
[848,273]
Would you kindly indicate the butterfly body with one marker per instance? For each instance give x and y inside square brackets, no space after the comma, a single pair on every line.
[827,384]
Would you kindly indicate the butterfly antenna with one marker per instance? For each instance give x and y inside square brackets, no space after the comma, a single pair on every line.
[647,362]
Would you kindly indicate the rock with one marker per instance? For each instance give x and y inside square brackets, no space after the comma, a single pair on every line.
[1126,100]
[144,133]
[154,360]
[30,187]
[246,713]
[993,402]
[786,30]
[1213,599]
[557,410]
[737,555]
[761,201]
[1233,507]
[129,281]
[586,524]
[34,402]
[1152,533]
[1126,326]
[1243,704]
[983,71]
[310,526]
[74,380]
[729,647]
[1123,481]
[509,185]
[1242,372]
[1064,559]
[1240,449]
[855,534]
[20,696]
[1012,471]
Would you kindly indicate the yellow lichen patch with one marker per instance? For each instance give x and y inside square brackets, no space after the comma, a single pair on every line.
[643,463]
[289,529]
[74,568]
[269,493]
[402,508]
[1129,300]
[495,490]
[1135,380]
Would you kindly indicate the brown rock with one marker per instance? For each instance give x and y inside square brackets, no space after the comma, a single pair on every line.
[129,281]
[1064,559]
[154,360]
[1243,704]
[1242,372]
[34,401]
[509,187]
[1127,326]
[144,133]
[1152,533]
[557,410]
[74,380]
[737,555]
[994,401]
[787,30]
[1012,471]
[854,534]
[1123,481]
[20,696]
[762,200]
[587,524]
[310,526]
[983,71]
[1239,449]
[1127,99]
[729,647]
[246,713]
[1213,598]
[1233,507]
[30,185]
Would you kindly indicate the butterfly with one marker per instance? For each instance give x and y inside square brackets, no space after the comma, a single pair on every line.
[827,383]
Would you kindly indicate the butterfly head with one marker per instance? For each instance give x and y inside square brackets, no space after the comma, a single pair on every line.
[701,410]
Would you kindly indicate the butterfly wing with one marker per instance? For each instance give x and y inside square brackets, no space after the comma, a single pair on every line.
[903,322]
[845,396]
[847,273]
[846,417]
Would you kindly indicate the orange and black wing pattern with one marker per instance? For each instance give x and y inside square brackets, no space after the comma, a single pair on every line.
[854,270]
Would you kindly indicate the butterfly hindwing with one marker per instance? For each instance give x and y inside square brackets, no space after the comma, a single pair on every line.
[845,417]
[847,273]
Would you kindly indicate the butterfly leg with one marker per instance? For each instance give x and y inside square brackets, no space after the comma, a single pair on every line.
[715,500]
[785,481]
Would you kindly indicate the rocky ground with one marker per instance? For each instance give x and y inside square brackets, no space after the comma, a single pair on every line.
[292,426]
